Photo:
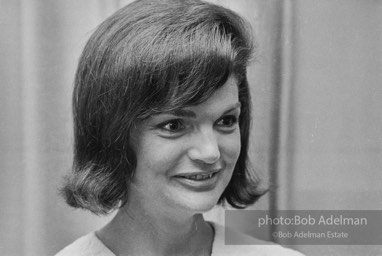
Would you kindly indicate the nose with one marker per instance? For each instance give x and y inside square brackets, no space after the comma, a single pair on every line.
[205,148]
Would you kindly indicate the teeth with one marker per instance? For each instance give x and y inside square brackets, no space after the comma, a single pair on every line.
[199,176]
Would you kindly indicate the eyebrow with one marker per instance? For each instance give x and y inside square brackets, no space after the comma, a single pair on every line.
[183,113]
[235,106]
[191,114]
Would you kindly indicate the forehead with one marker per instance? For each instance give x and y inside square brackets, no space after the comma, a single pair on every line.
[223,99]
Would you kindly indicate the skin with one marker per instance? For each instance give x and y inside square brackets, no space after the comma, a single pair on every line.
[163,215]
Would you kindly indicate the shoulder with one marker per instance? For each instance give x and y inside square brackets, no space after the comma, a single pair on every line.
[253,246]
[88,245]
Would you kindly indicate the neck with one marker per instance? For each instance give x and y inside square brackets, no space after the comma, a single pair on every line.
[142,232]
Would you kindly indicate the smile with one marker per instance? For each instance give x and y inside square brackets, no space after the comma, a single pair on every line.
[198,182]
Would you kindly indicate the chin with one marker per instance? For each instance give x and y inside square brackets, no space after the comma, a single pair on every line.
[200,203]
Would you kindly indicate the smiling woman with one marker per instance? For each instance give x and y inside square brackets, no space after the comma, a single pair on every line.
[161,122]
[187,162]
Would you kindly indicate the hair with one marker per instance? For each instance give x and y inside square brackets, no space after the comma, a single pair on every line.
[147,58]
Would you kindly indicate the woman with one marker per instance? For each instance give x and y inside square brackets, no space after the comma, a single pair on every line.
[161,122]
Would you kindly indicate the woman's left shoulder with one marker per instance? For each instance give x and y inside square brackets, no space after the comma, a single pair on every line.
[252,245]
[259,250]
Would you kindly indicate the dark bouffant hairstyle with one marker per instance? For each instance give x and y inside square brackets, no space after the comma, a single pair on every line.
[147,58]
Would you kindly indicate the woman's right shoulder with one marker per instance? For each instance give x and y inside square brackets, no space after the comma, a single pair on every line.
[251,246]
[88,245]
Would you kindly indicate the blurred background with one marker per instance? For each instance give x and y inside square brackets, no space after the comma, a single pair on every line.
[317,101]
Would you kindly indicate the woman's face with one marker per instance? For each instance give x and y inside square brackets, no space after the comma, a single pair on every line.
[185,159]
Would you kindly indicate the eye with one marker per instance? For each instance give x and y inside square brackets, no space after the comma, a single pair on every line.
[227,121]
[175,125]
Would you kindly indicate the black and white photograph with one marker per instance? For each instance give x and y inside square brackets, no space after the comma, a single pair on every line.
[191,127]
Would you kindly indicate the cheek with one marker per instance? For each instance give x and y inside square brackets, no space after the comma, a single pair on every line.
[231,147]
[156,156]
